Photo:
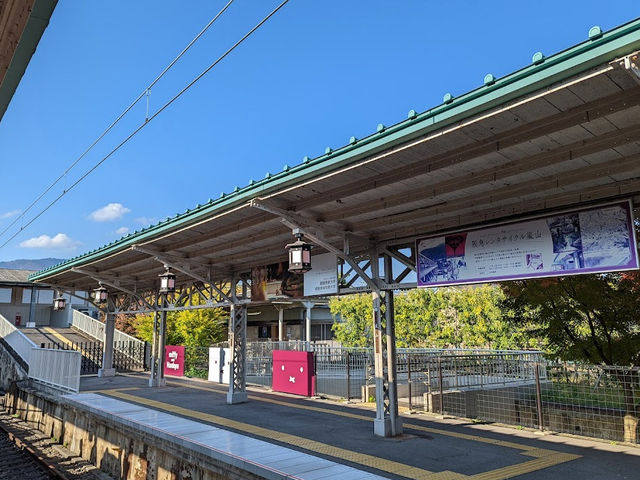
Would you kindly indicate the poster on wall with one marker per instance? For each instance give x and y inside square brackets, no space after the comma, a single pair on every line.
[274,281]
[594,240]
[322,279]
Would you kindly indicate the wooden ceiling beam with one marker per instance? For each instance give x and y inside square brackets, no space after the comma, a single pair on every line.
[585,113]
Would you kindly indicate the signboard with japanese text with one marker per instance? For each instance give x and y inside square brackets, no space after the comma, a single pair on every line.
[322,279]
[593,240]
[174,360]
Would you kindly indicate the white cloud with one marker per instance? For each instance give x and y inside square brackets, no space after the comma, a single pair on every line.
[61,241]
[10,214]
[108,213]
[122,230]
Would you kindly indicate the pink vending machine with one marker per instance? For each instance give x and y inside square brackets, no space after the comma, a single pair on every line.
[293,372]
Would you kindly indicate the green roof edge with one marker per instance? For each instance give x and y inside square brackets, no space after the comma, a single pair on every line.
[619,41]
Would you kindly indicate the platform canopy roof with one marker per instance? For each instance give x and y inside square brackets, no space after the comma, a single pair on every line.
[562,132]
[22,23]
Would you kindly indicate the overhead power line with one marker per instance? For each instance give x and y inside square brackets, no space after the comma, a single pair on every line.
[117,120]
[149,120]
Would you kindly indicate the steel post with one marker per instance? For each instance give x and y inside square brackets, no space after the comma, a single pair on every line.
[162,340]
[153,367]
[539,398]
[392,383]
[238,345]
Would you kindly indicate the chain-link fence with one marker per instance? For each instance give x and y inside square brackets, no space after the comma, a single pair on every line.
[527,391]
[196,362]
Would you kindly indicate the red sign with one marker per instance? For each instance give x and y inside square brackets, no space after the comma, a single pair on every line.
[174,361]
[293,372]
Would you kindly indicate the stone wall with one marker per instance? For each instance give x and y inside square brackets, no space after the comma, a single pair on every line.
[12,368]
[123,451]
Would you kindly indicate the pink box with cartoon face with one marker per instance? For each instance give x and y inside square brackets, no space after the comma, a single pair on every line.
[293,372]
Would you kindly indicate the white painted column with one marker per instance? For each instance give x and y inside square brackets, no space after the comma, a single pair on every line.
[107,369]
[307,322]
[31,323]
[280,324]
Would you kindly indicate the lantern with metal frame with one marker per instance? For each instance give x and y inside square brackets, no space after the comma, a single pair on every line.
[100,294]
[59,303]
[167,281]
[299,255]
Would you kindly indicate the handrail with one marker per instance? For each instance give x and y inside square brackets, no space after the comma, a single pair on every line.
[95,329]
[58,368]
[17,340]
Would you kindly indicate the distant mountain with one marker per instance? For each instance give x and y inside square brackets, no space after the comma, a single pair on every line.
[31,264]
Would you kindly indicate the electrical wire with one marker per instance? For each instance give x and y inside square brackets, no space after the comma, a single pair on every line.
[118,118]
[149,120]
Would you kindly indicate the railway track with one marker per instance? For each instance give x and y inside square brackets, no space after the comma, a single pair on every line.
[19,462]
[28,454]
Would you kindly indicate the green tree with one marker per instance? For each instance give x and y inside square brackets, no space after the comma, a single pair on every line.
[193,328]
[469,317]
[589,317]
[353,320]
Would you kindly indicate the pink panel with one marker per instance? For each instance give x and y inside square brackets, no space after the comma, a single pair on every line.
[293,372]
[174,360]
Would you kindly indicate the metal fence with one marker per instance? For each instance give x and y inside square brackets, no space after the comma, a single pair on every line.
[127,356]
[55,368]
[16,339]
[589,400]
[95,329]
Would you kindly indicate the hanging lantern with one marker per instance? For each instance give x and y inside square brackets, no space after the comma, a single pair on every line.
[299,255]
[100,294]
[59,303]
[167,281]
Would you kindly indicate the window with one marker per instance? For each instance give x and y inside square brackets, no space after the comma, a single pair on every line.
[5,295]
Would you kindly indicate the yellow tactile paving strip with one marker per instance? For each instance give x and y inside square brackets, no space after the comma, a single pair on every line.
[64,340]
[543,458]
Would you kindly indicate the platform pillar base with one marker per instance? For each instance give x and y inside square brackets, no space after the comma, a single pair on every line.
[382,428]
[107,372]
[236,397]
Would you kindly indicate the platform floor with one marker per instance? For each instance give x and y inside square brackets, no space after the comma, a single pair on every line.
[314,437]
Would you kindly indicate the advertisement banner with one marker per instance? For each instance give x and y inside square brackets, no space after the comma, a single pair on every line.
[174,360]
[594,240]
[322,279]
[274,281]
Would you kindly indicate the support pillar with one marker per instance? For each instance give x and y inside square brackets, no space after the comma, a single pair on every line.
[156,377]
[307,323]
[162,341]
[31,323]
[396,421]
[107,369]
[382,422]
[238,345]
[280,324]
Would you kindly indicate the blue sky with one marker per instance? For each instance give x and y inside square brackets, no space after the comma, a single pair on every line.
[314,75]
